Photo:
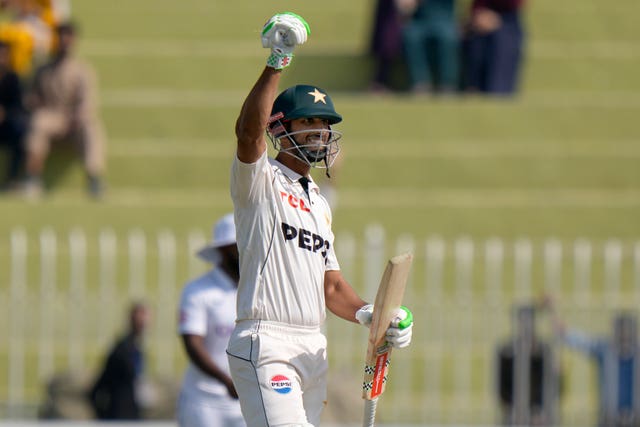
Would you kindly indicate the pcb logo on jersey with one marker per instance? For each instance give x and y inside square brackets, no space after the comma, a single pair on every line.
[281,384]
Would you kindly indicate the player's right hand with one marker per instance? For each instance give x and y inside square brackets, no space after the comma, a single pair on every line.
[365,314]
[282,33]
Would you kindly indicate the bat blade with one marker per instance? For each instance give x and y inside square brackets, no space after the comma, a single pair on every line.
[388,299]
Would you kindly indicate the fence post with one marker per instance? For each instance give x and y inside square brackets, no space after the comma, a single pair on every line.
[612,267]
[108,251]
[494,312]
[464,259]
[552,265]
[434,275]
[166,323]
[17,304]
[76,315]
[523,255]
[48,278]
[137,263]
[582,271]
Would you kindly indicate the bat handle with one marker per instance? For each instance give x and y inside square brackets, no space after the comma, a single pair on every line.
[370,412]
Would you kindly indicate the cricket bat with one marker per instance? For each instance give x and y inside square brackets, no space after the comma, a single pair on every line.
[388,299]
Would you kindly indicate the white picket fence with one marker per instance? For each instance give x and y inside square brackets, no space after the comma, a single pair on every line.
[65,296]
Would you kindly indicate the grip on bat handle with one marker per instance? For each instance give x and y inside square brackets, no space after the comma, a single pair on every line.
[370,412]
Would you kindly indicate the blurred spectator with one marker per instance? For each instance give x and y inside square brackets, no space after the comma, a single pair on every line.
[30,37]
[493,46]
[54,12]
[118,393]
[12,119]
[207,317]
[431,43]
[64,107]
[528,377]
[616,359]
[386,41]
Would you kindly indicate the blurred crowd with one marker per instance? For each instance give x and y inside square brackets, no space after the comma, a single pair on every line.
[47,95]
[449,46]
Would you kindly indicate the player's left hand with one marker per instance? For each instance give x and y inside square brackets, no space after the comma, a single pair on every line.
[400,330]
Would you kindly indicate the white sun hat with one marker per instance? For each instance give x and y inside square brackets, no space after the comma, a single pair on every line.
[224,234]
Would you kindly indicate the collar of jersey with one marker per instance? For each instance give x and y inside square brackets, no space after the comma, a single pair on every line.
[293,176]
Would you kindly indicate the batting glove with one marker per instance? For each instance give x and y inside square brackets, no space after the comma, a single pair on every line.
[400,329]
[365,314]
[281,34]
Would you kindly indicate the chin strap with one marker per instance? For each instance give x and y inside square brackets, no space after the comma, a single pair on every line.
[326,171]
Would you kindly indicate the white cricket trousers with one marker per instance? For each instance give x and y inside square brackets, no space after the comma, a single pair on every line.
[279,372]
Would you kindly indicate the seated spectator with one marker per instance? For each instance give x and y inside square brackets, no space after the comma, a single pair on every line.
[29,36]
[64,107]
[431,43]
[12,119]
[493,47]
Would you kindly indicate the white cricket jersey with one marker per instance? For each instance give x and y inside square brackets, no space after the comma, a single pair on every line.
[207,308]
[285,243]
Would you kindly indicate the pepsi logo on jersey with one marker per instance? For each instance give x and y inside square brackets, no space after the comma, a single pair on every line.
[306,239]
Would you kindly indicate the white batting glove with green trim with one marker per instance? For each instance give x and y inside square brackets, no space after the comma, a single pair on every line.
[282,33]
[400,330]
[365,314]
[401,327]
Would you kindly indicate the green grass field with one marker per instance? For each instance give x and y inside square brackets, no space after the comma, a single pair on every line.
[560,159]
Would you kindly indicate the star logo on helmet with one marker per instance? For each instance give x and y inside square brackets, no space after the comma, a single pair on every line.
[318,96]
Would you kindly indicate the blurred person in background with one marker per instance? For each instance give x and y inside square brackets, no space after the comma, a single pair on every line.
[431,42]
[528,382]
[63,103]
[30,36]
[386,40]
[12,119]
[118,393]
[493,47]
[207,316]
[616,358]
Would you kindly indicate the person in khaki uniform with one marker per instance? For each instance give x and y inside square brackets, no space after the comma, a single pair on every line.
[64,107]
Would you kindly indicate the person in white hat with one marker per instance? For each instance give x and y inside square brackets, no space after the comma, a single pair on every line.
[207,316]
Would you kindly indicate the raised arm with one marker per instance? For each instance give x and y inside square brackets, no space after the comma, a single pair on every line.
[254,116]
[282,33]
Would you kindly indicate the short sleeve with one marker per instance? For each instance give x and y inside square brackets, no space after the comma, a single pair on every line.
[249,181]
[193,315]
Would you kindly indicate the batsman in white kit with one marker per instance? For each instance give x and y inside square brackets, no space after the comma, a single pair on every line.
[207,315]
[288,267]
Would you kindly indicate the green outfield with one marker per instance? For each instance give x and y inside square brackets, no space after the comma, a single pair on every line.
[559,160]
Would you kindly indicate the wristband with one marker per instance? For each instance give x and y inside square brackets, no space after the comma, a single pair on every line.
[279,61]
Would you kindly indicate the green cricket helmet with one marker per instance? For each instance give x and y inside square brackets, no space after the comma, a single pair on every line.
[305,101]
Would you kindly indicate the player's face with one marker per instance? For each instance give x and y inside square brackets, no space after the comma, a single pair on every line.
[316,138]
